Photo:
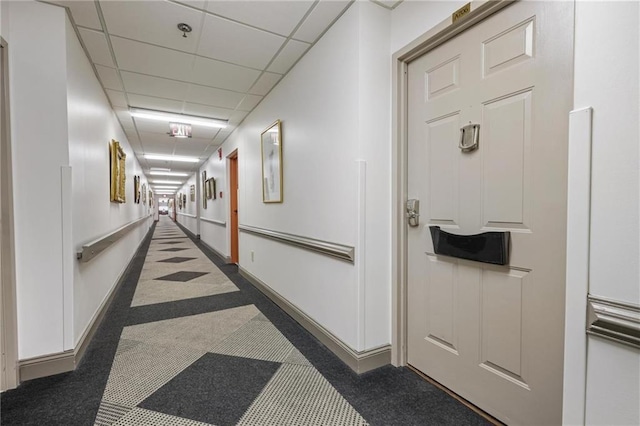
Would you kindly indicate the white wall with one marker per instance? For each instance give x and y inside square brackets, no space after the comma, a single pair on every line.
[187,216]
[92,124]
[37,69]
[61,126]
[215,235]
[412,18]
[607,78]
[335,108]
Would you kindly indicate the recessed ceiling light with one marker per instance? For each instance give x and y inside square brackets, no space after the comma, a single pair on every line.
[179,118]
[168,173]
[165,187]
[171,158]
[159,169]
[168,182]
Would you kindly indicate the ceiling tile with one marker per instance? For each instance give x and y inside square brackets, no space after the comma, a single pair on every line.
[265,83]
[280,17]
[320,18]
[96,44]
[288,56]
[236,118]
[150,102]
[117,98]
[152,22]
[198,4]
[389,4]
[146,59]
[220,74]
[151,126]
[154,86]
[109,78]
[125,118]
[207,111]
[84,13]
[156,143]
[214,97]
[237,43]
[249,102]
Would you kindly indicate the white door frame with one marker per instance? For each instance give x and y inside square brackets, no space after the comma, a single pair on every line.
[433,38]
[9,332]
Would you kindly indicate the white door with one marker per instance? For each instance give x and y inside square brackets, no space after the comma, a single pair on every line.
[493,334]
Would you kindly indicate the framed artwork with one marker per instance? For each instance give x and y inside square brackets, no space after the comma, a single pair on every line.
[180,200]
[136,189]
[204,189]
[117,162]
[184,200]
[150,198]
[143,191]
[192,193]
[212,183]
[271,148]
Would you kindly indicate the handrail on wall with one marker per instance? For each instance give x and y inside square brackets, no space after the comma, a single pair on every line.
[95,247]
[339,251]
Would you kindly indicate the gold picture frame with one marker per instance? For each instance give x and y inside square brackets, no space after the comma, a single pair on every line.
[143,191]
[192,193]
[271,150]
[204,189]
[136,189]
[117,162]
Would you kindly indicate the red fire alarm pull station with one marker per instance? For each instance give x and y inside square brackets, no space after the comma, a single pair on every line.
[220,194]
[220,157]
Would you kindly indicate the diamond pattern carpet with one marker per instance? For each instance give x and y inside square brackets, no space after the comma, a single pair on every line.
[188,342]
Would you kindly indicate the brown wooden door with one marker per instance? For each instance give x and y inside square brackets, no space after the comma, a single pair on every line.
[233,214]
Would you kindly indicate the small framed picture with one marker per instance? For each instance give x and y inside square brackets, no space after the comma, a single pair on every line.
[271,148]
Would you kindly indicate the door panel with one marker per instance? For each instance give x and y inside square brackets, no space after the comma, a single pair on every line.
[493,334]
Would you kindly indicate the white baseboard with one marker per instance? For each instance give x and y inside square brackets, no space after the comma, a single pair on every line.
[360,362]
[61,362]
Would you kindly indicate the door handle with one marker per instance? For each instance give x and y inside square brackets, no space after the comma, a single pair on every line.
[469,137]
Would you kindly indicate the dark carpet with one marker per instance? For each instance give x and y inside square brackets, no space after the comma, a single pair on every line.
[386,396]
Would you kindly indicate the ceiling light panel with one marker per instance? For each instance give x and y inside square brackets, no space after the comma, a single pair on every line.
[171,158]
[166,173]
[177,118]
[167,182]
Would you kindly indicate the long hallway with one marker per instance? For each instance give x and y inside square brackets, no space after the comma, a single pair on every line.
[187,341]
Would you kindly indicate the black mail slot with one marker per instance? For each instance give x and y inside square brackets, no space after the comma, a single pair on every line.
[488,247]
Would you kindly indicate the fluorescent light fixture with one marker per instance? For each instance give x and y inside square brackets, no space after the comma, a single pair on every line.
[179,118]
[168,173]
[166,187]
[159,169]
[171,158]
[166,192]
[167,182]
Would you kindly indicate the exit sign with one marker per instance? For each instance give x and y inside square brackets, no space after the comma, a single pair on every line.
[179,130]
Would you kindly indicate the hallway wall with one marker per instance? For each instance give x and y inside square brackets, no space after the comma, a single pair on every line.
[607,79]
[333,106]
[92,124]
[61,126]
[214,234]
[187,215]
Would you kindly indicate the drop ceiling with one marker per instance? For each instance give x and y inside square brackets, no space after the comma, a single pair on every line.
[237,52]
